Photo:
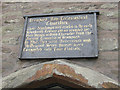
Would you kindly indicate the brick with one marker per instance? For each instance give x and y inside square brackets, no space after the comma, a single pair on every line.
[110,13]
[6,50]
[108,44]
[108,56]
[108,25]
[108,40]
[55,10]
[109,6]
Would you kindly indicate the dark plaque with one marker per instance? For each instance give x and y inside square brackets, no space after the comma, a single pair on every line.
[62,35]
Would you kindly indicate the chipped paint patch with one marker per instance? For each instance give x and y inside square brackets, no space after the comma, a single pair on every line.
[109,85]
[66,70]
[47,69]
[94,78]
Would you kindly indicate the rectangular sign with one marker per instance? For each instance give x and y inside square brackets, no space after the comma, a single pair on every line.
[62,35]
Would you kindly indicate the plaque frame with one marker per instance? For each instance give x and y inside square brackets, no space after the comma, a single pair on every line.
[95,13]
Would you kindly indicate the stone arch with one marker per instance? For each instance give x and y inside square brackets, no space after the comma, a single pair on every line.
[58,72]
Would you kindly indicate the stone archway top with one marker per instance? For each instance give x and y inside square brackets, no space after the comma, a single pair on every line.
[58,69]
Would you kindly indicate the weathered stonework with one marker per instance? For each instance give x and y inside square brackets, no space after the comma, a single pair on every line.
[60,70]
[12,27]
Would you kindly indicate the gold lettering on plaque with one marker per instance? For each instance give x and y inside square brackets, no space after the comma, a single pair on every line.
[57,34]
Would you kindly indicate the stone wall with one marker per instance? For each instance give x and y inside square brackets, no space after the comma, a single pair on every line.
[13,22]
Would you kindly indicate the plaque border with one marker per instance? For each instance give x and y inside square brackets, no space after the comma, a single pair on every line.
[95,13]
